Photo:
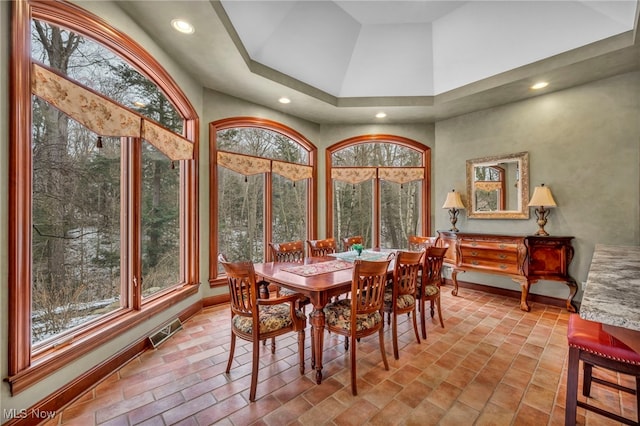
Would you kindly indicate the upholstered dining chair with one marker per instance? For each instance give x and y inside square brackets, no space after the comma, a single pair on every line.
[292,251]
[255,319]
[361,315]
[418,242]
[349,241]
[400,296]
[321,247]
[429,287]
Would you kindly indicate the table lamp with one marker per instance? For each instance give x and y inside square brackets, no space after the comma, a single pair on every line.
[542,198]
[454,204]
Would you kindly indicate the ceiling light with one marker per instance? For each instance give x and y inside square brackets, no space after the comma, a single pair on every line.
[540,85]
[284,100]
[182,26]
[139,104]
[381,115]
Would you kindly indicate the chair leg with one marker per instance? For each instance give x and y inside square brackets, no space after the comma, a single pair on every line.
[254,370]
[587,377]
[423,320]
[394,337]
[273,345]
[231,350]
[415,324]
[571,408]
[301,349]
[439,311]
[431,308]
[382,350]
[354,385]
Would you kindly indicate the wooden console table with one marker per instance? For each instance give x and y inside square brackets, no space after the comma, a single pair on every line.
[525,259]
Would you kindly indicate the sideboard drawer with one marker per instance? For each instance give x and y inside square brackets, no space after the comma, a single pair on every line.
[490,245]
[490,265]
[470,254]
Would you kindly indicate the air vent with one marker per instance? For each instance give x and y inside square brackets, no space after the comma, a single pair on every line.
[165,332]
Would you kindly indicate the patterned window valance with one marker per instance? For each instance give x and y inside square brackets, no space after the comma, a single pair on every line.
[401,174]
[353,175]
[488,185]
[291,171]
[103,116]
[246,165]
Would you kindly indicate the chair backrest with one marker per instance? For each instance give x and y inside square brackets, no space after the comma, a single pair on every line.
[433,260]
[292,251]
[367,287]
[406,271]
[243,289]
[418,242]
[322,247]
[349,241]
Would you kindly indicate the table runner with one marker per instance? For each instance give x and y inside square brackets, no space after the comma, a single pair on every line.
[351,256]
[318,268]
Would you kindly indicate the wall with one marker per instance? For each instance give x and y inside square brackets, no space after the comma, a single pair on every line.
[584,143]
[32,395]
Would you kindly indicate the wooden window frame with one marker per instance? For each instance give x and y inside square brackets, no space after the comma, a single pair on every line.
[312,198]
[381,138]
[25,369]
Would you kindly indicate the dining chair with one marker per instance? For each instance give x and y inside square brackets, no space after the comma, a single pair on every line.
[400,296]
[292,251]
[417,242]
[321,247]
[349,241]
[255,319]
[361,315]
[429,287]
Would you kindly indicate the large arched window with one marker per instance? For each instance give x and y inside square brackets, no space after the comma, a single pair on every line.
[378,187]
[262,188]
[103,209]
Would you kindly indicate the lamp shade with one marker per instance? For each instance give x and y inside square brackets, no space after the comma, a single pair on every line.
[542,197]
[453,201]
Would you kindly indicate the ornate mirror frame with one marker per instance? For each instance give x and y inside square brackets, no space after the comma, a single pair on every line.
[506,171]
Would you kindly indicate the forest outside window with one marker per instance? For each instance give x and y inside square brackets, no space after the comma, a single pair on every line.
[262,174]
[379,189]
[107,206]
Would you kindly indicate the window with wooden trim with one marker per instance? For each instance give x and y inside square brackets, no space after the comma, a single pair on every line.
[105,204]
[262,180]
[378,187]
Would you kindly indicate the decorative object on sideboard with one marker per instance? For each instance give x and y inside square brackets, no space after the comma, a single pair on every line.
[542,198]
[454,204]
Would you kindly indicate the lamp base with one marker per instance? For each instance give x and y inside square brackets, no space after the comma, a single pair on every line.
[541,215]
[453,216]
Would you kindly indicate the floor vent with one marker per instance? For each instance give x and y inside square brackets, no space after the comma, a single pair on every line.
[165,332]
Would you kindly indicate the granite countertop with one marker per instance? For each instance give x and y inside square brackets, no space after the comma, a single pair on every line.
[612,293]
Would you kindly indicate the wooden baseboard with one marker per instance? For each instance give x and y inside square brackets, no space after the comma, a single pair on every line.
[62,397]
[515,294]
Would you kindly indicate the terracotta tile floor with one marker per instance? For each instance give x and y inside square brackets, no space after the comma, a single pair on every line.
[492,364]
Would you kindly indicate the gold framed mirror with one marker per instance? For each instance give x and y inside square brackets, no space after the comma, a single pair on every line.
[498,187]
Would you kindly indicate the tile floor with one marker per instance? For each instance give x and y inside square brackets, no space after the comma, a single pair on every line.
[492,364]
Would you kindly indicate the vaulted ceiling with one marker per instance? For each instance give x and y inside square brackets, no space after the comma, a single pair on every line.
[419,61]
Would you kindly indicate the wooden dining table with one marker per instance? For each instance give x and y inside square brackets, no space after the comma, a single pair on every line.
[320,279]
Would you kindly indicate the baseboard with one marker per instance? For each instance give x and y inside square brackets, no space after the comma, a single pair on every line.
[62,397]
[515,294]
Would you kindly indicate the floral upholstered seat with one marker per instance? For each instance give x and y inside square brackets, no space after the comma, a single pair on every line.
[270,317]
[338,315]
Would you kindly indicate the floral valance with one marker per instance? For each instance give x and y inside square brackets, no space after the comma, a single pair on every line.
[103,116]
[353,175]
[246,165]
[488,185]
[401,174]
[291,171]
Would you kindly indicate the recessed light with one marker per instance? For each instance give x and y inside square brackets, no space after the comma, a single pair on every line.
[139,104]
[540,85]
[182,26]
[381,115]
[284,100]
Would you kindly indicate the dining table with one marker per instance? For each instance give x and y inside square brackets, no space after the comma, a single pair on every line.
[320,279]
[612,292]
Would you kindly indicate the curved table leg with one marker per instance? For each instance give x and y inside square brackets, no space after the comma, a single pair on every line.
[573,289]
[454,278]
[524,285]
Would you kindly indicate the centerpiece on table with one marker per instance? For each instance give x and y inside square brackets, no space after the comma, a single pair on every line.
[358,248]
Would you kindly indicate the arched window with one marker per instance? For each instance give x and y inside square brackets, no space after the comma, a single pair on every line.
[262,188]
[378,187]
[103,215]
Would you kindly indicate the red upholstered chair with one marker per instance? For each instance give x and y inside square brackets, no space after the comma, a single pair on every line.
[589,343]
